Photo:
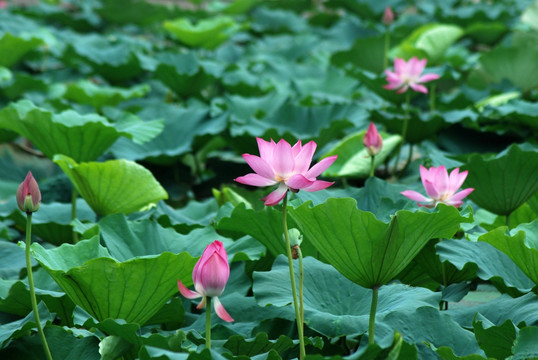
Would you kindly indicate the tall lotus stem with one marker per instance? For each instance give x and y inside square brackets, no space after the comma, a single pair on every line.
[373,309]
[432,98]
[208,323]
[372,166]
[302,352]
[404,128]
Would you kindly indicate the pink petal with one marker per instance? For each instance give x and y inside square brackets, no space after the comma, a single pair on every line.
[428,77]
[413,195]
[189,294]
[392,77]
[403,89]
[418,88]
[298,182]
[456,179]
[221,311]
[274,197]
[266,149]
[296,149]
[440,181]
[304,158]
[425,175]
[202,304]
[318,185]
[259,165]
[255,180]
[320,167]
[283,160]
[416,67]
[393,86]
[399,66]
[431,189]
[460,195]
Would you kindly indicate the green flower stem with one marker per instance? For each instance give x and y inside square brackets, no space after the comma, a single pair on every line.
[432,98]
[386,52]
[74,195]
[372,168]
[208,323]
[32,286]
[404,128]
[373,309]
[302,352]
[409,157]
[301,281]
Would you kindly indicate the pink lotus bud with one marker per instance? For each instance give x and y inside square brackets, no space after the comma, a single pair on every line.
[388,16]
[210,276]
[211,272]
[372,141]
[28,194]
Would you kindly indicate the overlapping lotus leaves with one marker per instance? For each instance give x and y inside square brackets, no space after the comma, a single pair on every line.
[114,186]
[521,246]
[505,182]
[368,251]
[207,33]
[133,290]
[13,48]
[353,158]
[82,137]
[86,92]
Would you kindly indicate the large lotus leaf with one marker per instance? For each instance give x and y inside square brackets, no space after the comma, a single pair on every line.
[181,126]
[514,63]
[135,11]
[19,328]
[194,215]
[497,311]
[366,250]
[185,74]
[505,182]
[12,260]
[115,186]
[365,9]
[530,16]
[429,41]
[521,246]
[496,341]
[126,239]
[492,264]
[133,290]
[65,344]
[13,48]
[238,345]
[371,50]
[86,92]
[265,20]
[82,137]
[334,306]
[353,158]
[526,346]
[208,33]
[335,87]
[486,32]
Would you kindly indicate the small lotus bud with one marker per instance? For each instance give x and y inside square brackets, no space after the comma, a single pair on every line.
[28,194]
[373,142]
[388,16]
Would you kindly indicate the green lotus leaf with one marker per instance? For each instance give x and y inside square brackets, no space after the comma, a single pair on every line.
[505,182]
[19,328]
[115,186]
[526,346]
[133,290]
[82,137]
[87,92]
[366,250]
[429,41]
[353,158]
[13,48]
[521,246]
[207,33]
[496,341]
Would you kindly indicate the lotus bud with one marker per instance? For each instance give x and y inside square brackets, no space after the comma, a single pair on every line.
[28,194]
[373,142]
[388,16]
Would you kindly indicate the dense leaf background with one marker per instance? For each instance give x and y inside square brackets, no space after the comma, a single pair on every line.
[143,109]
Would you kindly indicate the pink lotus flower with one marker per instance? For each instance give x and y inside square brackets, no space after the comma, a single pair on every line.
[286,166]
[210,276]
[388,16]
[408,75]
[372,141]
[28,194]
[440,187]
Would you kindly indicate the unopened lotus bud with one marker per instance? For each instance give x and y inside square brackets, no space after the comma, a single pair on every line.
[28,194]
[388,16]
[373,142]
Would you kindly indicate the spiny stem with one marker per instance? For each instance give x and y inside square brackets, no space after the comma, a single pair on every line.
[32,286]
[373,309]
[208,323]
[302,352]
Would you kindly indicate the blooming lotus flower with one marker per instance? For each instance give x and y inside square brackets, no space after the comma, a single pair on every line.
[440,187]
[280,163]
[28,194]
[210,276]
[372,141]
[408,75]
[388,16]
